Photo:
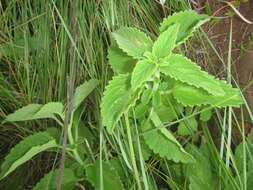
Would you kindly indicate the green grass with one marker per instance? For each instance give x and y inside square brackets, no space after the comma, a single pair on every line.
[35,62]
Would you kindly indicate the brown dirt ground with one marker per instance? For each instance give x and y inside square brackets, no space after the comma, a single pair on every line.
[242,58]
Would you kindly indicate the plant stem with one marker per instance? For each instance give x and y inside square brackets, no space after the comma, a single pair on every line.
[132,154]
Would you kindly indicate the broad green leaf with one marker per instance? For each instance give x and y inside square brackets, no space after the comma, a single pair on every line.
[25,150]
[165,43]
[161,145]
[121,63]
[49,181]
[187,127]
[184,70]
[111,179]
[143,70]
[133,41]
[83,91]
[48,110]
[24,113]
[36,111]
[115,100]
[192,96]
[189,21]
[201,174]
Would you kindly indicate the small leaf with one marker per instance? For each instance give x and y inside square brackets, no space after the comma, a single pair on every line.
[189,21]
[49,181]
[115,100]
[133,41]
[160,144]
[121,63]
[192,96]
[111,179]
[187,127]
[83,91]
[166,42]
[206,115]
[25,150]
[143,70]
[183,69]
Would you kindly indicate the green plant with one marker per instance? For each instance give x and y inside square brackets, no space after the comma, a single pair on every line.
[49,140]
[156,89]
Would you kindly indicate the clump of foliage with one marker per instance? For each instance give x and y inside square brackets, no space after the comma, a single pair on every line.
[153,88]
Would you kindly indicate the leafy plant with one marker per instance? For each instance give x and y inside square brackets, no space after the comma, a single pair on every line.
[154,86]
[44,141]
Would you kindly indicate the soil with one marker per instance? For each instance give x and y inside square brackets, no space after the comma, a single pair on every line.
[242,47]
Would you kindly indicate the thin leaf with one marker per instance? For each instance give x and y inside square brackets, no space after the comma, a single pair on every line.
[133,41]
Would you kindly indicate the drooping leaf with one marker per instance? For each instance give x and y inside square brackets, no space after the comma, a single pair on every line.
[189,21]
[49,181]
[36,111]
[111,179]
[25,150]
[166,42]
[83,91]
[184,70]
[161,145]
[143,70]
[187,127]
[133,41]
[115,100]
[192,96]
[121,62]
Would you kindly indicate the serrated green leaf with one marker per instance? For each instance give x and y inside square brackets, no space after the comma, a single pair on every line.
[187,127]
[83,91]
[25,150]
[143,70]
[192,96]
[49,181]
[111,178]
[184,70]
[115,100]
[133,41]
[36,111]
[189,21]
[160,144]
[165,43]
[121,63]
